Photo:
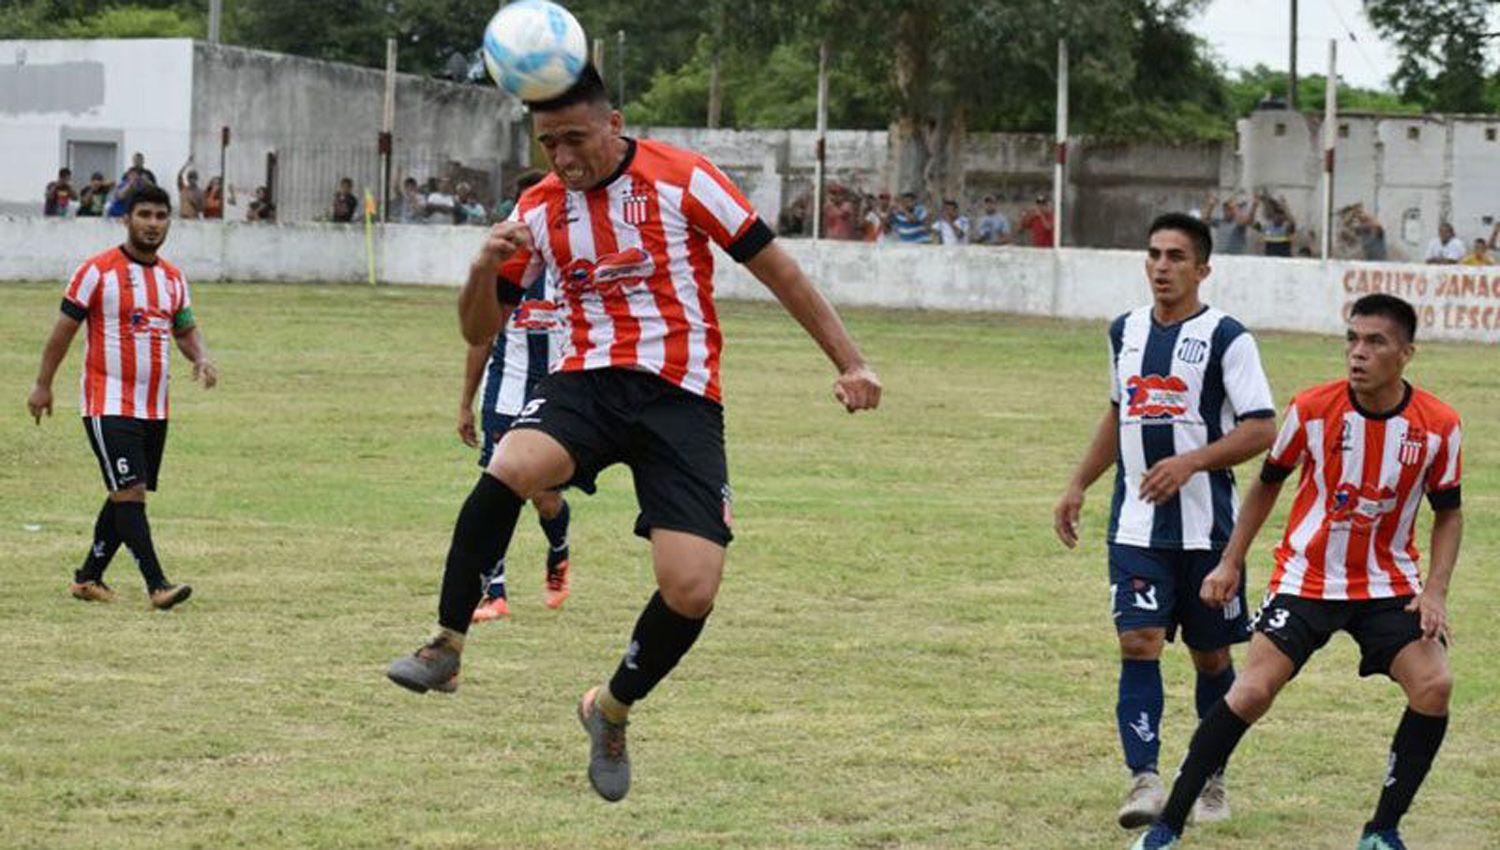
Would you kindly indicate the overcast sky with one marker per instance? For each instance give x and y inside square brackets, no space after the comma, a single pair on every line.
[1246,32]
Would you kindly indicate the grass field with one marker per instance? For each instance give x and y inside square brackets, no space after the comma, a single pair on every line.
[902,655]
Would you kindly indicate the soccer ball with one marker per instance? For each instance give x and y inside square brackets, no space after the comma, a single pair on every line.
[534,49]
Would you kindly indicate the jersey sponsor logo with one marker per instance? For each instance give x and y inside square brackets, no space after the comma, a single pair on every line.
[1412,447]
[1157,397]
[635,208]
[1361,506]
[538,315]
[144,321]
[608,273]
[1192,350]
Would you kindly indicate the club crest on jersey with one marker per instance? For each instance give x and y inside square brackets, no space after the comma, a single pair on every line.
[1157,397]
[635,208]
[1361,506]
[538,315]
[1192,350]
[1412,446]
[609,272]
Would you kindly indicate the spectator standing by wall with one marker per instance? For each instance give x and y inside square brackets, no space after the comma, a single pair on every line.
[994,227]
[440,205]
[1278,230]
[468,207]
[136,176]
[94,198]
[1037,222]
[345,205]
[1231,223]
[1371,236]
[412,203]
[189,194]
[952,227]
[1447,248]
[910,221]
[59,195]
[838,215]
[262,209]
[1480,254]
[213,199]
[877,212]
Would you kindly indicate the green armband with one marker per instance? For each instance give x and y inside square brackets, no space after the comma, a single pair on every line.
[184,319]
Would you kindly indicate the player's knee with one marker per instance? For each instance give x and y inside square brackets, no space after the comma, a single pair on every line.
[690,599]
[548,503]
[1432,692]
[1250,697]
[1212,662]
[1142,644]
[129,494]
[521,480]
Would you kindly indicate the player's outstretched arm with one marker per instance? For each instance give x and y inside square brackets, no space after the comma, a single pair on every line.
[1222,584]
[1101,455]
[40,400]
[474,362]
[190,343]
[1432,602]
[480,312]
[857,386]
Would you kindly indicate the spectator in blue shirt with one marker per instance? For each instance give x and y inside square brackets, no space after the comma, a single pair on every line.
[910,222]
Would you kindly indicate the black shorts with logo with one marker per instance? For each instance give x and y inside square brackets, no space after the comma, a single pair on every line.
[672,440]
[1299,627]
[129,449]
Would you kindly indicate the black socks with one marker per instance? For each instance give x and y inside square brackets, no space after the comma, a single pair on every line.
[482,533]
[1416,744]
[661,638]
[133,530]
[106,543]
[1212,744]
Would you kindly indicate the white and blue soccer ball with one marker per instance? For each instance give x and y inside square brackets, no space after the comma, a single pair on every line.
[534,49]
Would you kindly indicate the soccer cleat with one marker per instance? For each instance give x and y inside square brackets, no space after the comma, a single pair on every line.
[1212,805]
[93,590]
[1382,839]
[1158,837]
[163,598]
[557,584]
[492,608]
[609,764]
[434,667]
[1145,801]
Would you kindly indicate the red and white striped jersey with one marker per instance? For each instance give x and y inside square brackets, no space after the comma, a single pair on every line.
[131,309]
[632,261]
[1350,534]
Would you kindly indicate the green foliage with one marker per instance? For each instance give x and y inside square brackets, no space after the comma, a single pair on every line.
[1251,87]
[96,19]
[1448,53]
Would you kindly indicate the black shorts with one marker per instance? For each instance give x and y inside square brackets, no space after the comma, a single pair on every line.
[129,449]
[1299,627]
[672,440]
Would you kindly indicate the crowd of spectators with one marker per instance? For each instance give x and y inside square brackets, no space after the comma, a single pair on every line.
[852,215]
[102,198]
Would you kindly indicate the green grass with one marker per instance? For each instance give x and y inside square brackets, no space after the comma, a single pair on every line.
[902,655]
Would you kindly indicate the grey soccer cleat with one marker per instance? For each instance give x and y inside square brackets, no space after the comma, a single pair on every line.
[1145,801]
[609,764]
[434,667]
[1212,805]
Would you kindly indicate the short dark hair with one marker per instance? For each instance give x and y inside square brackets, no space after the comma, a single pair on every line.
[1391,307]
[1196,230]
[64,172]
[588,88]
[148,193]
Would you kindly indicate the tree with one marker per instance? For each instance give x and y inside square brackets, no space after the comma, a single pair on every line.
[1448,51]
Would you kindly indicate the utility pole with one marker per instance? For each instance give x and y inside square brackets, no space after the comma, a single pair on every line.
[215,13]
[620,66]
[1291,87]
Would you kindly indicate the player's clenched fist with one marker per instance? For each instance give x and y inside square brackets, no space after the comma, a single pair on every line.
[858,389]
[503,240]
[1221,585]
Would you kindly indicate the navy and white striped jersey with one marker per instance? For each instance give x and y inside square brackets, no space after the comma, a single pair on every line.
[525,349]
[1178,388]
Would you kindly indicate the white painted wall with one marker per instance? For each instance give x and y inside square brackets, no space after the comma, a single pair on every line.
[147,98]
[1455,303]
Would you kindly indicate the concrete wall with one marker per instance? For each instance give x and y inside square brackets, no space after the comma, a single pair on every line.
[1454,303]
[323,121]
[1411,172]
[132,92]
[1112,187]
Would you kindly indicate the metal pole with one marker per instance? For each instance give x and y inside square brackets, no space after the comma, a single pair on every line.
[215,14]
[599,56]
[1330,140]
[819,163]
[1062,142]
[387,129]
[1291,88]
